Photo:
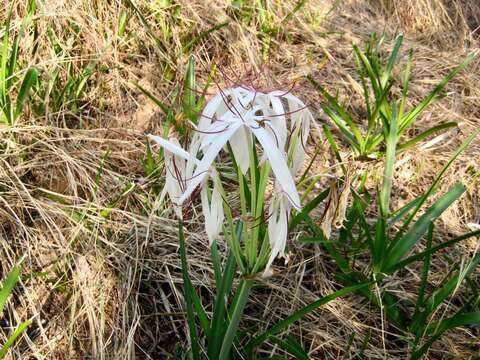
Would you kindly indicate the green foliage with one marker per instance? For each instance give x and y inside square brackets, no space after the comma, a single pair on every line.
[368,140]
[65,83]
[9,72]
[5,292]
[389,245]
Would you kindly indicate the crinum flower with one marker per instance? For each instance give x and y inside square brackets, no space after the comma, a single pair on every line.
[235,116]
[280,124]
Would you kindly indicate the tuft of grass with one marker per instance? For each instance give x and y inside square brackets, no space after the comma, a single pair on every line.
[367,139]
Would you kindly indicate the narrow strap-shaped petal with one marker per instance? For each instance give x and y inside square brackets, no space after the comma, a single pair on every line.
[240,143]
[171,146]
[210,154]
[278,164]
[277,229]
[212,210]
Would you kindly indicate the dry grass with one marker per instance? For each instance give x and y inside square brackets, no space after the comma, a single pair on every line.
[102,275]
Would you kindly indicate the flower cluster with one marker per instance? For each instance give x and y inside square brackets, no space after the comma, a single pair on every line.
[274,125]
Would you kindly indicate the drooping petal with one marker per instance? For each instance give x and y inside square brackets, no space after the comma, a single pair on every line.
[212,210]
[277,228]
[278,163]
[209,156]
[175,161]
[278,122]
[240,142]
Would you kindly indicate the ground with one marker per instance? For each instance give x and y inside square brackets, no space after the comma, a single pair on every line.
[102,273]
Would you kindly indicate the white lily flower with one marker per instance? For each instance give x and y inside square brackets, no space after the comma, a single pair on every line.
[237,114]
[180,165]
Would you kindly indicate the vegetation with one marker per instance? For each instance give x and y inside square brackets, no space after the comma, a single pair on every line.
[158,158]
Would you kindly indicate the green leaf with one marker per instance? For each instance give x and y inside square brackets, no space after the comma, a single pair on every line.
[122,22]
[235,313]
[194,40]
[371,72]
[10,282]
[313,204]
[458,320]
[432,187]
[165,108]
[445,291]
[334,147]
[391,61]
[218,321]
[188,295]
[352,132]
[189,96]
[11,340]
[426,134]
[402,246]
[283,324]
[412,115]
[29,80]
[386,189]
[216,263]
[433,250]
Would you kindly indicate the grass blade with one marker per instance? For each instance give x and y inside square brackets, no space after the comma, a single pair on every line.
[426,134]
[353,129]
[432,187]
[217,267]
[455,321]
[445,291]
[386,190]
[10,283]
[406,82]
[241,298]
[391,61]
[164,107]
[29,80]
[190,44]
[218,321]
[433,250]
[303,215]
[11,340]
[189,106]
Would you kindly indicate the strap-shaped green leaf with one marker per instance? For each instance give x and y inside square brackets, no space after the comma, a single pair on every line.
[402,246]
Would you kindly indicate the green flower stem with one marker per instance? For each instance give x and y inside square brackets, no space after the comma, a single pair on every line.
[236,312]
[233,241]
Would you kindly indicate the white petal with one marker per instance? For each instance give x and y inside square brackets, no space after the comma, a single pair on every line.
[240,142]
[212,211]
[279,165]
[278,122]
[174,177]
[277,229]
[210,154]
[171,146]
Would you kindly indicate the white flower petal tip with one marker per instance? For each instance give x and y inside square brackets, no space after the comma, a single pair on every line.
[172,146]
[279,211]
[473,226]
[213,211]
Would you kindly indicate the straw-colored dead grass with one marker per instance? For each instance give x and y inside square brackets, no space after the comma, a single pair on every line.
[102,271]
